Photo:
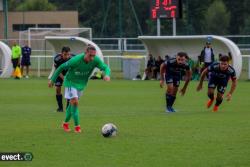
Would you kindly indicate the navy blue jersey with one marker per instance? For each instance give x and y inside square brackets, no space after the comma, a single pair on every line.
[214,71]
[174,68]
[58,60]
[26,52]
[151,63]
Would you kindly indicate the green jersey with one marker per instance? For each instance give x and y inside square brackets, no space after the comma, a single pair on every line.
[79,71]
[16,52]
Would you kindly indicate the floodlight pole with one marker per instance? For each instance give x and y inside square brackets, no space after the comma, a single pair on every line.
[136,18]
[120,16]
[158,26]
[174,26]
[5,8]
[29,38]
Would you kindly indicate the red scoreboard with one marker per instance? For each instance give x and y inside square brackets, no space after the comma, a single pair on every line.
[166,9]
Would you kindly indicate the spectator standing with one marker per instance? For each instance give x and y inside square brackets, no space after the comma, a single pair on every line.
[25,62]
[156,69]
[150,66]
[207,55]
[15,57]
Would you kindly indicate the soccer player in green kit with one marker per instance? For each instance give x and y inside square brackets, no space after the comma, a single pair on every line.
[79,69]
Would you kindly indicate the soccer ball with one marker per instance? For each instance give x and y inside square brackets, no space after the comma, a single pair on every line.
[109,130]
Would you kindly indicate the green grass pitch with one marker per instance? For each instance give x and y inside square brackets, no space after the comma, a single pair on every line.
[147,136]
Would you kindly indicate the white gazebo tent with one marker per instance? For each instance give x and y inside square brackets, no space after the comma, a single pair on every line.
[5,61]
[77,45]
[192,45]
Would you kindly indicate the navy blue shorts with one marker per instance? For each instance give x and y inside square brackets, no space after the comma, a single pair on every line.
[173,79]
[59,82]
[221,84]
[15,63]
[25,61]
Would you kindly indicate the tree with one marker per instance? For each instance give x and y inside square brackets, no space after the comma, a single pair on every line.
[35,5]
[195,11]
[246,28]
[12,4]
[217,19]
[66,5]
[238,10]
[197,18]
[92,14]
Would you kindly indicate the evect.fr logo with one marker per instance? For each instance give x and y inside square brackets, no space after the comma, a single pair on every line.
[21,156]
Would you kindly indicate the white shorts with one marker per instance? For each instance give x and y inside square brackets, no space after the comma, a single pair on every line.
[71,93]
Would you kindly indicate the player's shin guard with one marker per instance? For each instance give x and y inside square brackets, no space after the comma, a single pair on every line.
[75,113]
[210,96]
[59,101]
[68,113]
[173,100]
[218,101]
[211,100]
[67,103]
[170,99]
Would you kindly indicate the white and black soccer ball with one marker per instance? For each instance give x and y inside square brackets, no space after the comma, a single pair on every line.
[109,130]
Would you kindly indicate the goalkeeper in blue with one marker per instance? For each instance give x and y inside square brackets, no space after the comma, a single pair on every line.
[80,67]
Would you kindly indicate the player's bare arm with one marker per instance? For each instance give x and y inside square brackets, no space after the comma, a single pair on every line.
[162,72]
[187,80]
[203,75]
[50,84]
[61,76]
[233,86]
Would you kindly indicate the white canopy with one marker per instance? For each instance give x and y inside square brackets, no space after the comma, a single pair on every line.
[192,45]
[5,56]
[77,45]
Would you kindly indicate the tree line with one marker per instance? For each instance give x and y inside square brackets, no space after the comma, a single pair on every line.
[113,18]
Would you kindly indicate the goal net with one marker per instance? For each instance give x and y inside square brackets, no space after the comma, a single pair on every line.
[35,37]
[42,51]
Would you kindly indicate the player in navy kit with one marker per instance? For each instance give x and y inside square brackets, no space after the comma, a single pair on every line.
[58,60]
[25,62]
[173,69]
[219,74]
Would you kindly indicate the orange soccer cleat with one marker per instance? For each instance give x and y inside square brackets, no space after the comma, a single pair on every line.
[78,129]
[215,109]
[66,127]
[209,103]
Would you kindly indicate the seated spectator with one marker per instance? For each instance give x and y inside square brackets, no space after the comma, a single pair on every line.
[230,57]
[196,70]
[156,69]
[166,57]
[220,55]
[150,66]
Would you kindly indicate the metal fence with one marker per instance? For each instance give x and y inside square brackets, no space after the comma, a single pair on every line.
[41,65]
[115,48]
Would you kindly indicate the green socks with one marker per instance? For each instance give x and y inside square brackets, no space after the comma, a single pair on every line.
[68,113]
[72,110]
[75,113]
